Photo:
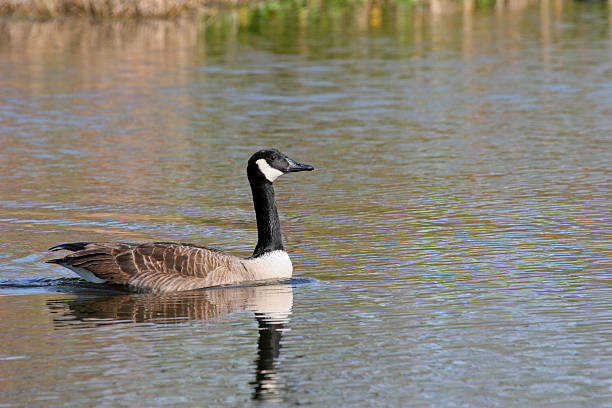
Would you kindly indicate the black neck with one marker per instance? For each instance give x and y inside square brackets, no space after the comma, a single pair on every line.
[269,236]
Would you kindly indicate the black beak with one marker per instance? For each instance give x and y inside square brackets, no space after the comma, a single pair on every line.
[295,166]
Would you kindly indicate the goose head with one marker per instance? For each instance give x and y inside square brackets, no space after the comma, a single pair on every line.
[269,164]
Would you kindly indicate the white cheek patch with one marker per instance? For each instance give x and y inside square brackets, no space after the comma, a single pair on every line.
[268,171]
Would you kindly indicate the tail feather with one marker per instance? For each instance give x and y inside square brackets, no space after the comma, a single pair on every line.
[73,246]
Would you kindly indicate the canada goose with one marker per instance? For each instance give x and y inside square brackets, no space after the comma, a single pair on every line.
[169,267]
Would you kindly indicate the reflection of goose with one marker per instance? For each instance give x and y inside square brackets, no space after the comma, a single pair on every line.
[267,384]
[271,305]
[169,267]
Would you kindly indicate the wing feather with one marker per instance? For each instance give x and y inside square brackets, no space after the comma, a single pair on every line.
[157,266]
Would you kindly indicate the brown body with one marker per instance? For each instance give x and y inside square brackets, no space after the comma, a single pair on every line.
[158,266]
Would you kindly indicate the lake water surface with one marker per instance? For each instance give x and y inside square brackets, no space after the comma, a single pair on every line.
[452,248]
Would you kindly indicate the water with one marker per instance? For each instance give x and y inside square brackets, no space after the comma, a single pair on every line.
[453,247]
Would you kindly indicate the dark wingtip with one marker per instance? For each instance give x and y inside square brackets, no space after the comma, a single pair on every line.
[54,261]
[73,246]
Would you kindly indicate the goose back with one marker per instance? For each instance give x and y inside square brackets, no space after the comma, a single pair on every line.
[157,266]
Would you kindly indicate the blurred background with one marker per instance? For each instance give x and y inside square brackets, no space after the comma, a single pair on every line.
[452,248]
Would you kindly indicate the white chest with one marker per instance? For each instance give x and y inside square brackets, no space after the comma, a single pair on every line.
[273,265]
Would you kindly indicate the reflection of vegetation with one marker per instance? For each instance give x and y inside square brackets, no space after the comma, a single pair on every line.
[297,12]
[253,13]
[485,3]
[284,18]
[122,8]
[294,25]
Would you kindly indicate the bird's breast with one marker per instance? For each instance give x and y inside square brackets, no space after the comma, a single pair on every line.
[272,265]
